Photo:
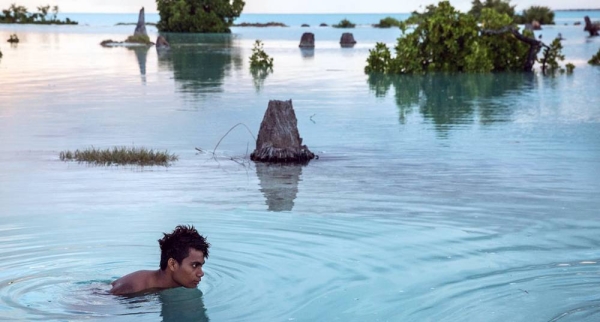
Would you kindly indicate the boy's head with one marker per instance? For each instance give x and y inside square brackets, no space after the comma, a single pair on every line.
[177,244]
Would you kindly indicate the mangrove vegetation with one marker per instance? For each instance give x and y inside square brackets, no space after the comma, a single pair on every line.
[203,16]
[344,23]
[446,40]
[45,15]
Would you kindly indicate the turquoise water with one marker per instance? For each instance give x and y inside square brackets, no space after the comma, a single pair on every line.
[435,198]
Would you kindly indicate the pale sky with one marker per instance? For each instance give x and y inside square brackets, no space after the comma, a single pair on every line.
[291,6]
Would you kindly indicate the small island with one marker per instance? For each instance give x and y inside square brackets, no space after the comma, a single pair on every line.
[20,15]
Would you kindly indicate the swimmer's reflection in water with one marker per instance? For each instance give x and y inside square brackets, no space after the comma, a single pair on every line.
[183,253]
[182,305]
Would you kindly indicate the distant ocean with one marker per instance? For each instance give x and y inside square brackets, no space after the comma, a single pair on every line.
[365,20]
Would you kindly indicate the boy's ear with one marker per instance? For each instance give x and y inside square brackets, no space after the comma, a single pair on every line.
[172,264]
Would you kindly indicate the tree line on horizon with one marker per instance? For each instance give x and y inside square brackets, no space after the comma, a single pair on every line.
[45,15]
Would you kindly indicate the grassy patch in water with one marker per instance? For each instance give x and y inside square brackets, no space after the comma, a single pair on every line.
[120,156]
[141,39]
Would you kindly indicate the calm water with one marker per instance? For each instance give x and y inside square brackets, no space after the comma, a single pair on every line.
[436,198]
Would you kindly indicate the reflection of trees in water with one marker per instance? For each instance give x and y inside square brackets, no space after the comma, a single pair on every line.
[200,62]
[258,77]
[279,184]
[141,53]
[182,305]
[453,99]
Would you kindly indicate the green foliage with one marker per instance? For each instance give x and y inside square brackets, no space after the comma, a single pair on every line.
[344,23]
[388,22]
[13,39]
[505,51]
[19,14]
[205,16]
[500,6]
[552,56]
[140,39]
[570,67]
[260,59]
[543,15]
[379,59]
[446,40]
[120,156]
[595,59]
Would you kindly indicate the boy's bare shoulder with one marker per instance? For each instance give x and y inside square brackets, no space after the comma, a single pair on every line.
[132,283]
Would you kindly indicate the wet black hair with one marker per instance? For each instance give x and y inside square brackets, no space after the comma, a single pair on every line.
[177,244]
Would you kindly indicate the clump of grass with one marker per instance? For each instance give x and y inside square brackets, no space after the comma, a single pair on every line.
[140,39]
[13,39]
[120,156]
[344,23]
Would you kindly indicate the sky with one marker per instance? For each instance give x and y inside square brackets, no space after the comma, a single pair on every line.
[290,6]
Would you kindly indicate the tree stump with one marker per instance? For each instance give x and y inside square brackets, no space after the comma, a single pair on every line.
[590,27]
[307,40]
[347,40]
[162,43]
[278,138]
[140,28]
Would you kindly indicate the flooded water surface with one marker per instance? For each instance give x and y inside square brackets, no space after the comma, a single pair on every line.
[434,198]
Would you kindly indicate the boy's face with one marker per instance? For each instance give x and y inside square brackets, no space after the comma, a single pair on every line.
[189,272]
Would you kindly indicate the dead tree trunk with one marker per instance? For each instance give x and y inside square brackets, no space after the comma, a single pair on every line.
[278,138]
[534,44]
[140,28]
[307,40]
[590,27]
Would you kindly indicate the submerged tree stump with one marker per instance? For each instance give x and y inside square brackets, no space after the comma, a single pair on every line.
[162,43]
[278,138]
[590,27]
[307,40]
[347,40]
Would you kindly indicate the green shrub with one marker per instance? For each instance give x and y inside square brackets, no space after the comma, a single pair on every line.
[120,156]
[595,59]
[260,59]
[552,56]
[570,67]
[445,40]
[388,22]
[500,6]
[541,14]
[198,15]
[344,23]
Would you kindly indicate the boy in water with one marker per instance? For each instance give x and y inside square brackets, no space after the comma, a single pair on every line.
[182,256]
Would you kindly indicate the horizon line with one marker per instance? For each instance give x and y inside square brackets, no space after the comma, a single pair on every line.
[313,13]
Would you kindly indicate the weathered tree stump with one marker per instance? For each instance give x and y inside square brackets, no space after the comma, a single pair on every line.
[347,40]
[162,43]
[140,28]
[307,40]
[590,27]
[278,138]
